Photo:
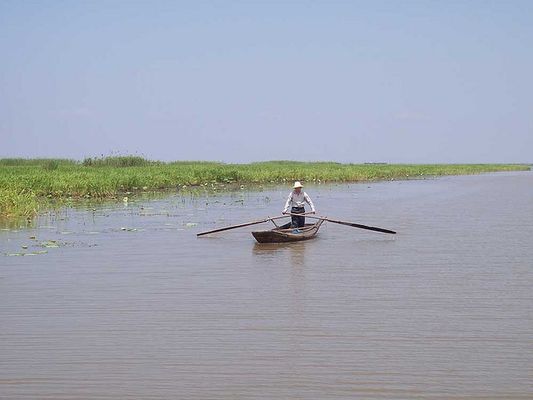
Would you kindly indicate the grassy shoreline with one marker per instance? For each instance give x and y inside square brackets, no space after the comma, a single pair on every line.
[26,185]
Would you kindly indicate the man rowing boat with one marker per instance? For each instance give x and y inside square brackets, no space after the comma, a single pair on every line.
[296,200]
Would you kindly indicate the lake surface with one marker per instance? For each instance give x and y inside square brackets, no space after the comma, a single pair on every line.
[125,302]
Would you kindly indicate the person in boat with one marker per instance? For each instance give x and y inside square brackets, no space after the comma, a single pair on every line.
[296,200]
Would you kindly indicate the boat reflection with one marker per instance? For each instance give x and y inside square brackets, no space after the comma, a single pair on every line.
[295,251]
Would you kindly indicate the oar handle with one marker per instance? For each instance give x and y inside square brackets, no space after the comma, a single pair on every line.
[308,214]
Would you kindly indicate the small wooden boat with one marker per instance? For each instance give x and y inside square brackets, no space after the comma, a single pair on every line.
[280,235]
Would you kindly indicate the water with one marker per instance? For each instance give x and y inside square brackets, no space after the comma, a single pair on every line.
[131,305]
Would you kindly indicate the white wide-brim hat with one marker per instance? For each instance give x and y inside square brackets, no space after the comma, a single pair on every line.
[297,185]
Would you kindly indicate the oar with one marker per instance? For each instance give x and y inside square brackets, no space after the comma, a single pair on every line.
[370,228]
[241,225]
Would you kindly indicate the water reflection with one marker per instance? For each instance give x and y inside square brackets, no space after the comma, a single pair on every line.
[294,251]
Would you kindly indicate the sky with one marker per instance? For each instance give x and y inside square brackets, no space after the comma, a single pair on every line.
[241,81]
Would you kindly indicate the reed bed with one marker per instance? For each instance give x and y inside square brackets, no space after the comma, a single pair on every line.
[25,185]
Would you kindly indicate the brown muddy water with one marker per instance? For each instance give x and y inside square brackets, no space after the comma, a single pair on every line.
[125,302]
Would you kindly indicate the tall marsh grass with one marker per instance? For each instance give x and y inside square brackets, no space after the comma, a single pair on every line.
[24,184]
[16,203]
[25,162]
[118,162]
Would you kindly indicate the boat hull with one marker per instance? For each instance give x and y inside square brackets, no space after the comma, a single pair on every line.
[278,235]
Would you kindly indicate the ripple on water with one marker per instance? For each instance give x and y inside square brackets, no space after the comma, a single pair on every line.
[130,304]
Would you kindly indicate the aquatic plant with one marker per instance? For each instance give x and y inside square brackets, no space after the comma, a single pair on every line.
[16,203]
[118,161]
[19,162]
[26,184]
[51,165]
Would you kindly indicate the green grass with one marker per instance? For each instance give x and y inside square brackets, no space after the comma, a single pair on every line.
[118,162]
[27,184]
[19,162]
[15,203]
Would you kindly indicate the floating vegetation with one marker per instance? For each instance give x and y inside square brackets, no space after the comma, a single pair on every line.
[30,185]
[50,244]
[33,253]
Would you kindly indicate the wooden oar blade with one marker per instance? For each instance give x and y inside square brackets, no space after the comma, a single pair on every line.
[352,224]
[226,228]
[370,228]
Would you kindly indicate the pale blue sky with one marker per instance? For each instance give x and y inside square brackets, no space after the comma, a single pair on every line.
[352,81]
